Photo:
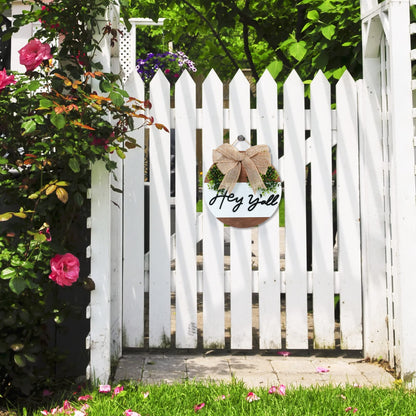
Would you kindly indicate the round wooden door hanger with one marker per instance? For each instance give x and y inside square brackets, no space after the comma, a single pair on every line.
[242,188]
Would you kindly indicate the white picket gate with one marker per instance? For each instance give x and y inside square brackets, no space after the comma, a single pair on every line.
[161,275]
[141,297]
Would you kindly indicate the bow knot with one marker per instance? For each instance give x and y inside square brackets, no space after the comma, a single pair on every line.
[229,160]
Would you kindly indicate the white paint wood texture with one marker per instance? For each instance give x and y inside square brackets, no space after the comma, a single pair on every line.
[116,258]
[403,206]
[100,306]
[349,255]
[240,238]
[295,212]
[185,180]
[133,230]
[159,239]
[389,266]
[268,232]
[213,237]
[321,203]
[372,219]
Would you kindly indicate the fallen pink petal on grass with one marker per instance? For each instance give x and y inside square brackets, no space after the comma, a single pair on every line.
[355,410]
[146,394]
[104,388]
[199,406]
[251,397]
[322,369]
[343,397]
[130,412]
[222,397]
[278,390]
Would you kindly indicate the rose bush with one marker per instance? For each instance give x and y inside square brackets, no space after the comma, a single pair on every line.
[34,53]
[60,116]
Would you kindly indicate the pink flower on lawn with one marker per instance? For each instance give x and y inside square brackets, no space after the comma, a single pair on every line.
[199,406]
[65,269]
[5,79]
[251,397]
[355,410]
[117,390]
[322,369]
[104,388]
[130,412]
[84,398]
[278,390]
[34,53]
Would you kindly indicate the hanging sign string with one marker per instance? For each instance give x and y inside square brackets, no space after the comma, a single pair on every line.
[229,160]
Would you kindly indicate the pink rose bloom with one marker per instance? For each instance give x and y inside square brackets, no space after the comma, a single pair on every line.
[65,269]
[5,79]
[34,53]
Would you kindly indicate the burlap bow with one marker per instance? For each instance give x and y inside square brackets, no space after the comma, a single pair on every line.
[255,160]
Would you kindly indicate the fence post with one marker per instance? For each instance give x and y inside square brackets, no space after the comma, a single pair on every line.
[371,196]
[100,332]
[103,346]
[403,206]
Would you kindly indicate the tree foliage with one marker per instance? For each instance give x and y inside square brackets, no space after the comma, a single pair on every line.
[305,35]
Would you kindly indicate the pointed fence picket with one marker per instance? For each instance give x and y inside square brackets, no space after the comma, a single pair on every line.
[321,215]
[213,259]
[295,300]
[295,213]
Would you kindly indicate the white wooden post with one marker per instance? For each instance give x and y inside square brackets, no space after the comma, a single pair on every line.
[105,322]
[403,206]
[100,306]
[372,202]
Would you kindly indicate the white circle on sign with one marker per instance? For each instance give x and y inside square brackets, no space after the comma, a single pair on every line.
[242,207]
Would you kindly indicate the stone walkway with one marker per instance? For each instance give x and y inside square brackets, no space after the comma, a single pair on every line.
[254,370]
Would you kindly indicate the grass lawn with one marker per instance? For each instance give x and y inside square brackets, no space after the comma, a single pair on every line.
[190,398]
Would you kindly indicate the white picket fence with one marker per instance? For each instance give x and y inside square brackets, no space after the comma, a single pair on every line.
[322,128]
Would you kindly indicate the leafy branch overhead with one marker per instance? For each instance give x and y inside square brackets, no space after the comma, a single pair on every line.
[307,35]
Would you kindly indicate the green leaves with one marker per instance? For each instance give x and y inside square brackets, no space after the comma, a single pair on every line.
[58,120]
[74,165]
[8,273]
[328,31]
[298,50]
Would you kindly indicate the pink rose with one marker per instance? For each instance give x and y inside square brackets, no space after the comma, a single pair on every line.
[65,269]
[34,53]
[5,79]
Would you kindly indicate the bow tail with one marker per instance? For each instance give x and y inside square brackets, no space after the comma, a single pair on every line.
[231,178]
[253,175]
